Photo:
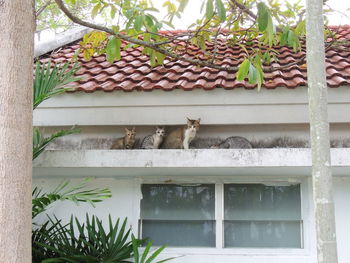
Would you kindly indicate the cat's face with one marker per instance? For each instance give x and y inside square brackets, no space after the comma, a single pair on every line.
[193,125]
[130,133]
[160,131]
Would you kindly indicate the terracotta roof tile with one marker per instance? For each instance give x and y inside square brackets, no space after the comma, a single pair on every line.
[133,70]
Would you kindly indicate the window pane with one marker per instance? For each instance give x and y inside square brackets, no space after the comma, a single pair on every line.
[178,202]
[180,233]
[264,234]
[260,202]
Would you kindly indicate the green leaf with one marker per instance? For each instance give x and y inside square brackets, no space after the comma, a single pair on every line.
[221,10]
[253,74]
[169,24]
[284,36]
[300,29]
[95,10]
[293,40]
[243,70]
[182,5]
[155,254]
[260,79]
[51,81]
[209,12]
[149,20]
[270,30]
[138,22]
[135,247]
[263,15]
[80,193]
[152,9]
[113,11]
[160,57]
[116,29]
[267,57]
[113,49]
[145,252]
[152,58]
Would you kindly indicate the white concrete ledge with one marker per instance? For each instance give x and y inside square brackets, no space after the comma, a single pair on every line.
[277,161]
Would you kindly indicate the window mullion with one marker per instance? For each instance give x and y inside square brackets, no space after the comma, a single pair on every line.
[219,214]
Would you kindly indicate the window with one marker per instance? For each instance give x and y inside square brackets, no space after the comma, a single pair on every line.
[257,215]
[179,215]
[222,215]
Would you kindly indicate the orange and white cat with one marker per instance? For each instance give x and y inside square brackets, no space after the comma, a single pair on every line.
[182,137]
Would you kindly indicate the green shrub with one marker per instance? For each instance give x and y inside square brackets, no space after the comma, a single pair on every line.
[82,243]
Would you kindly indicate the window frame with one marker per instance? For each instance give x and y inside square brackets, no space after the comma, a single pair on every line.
[307,231]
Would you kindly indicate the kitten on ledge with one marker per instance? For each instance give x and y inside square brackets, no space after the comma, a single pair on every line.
[126,142]
[155,140]
[233,142]
[182,137]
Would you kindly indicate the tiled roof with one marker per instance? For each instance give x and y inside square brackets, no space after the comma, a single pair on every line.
[133,71]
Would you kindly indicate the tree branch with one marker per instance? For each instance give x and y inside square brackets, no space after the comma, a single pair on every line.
[42,8]
[156,46]
[244,9]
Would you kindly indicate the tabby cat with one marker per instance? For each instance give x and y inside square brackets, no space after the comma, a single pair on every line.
[182,137]
[126,142]
[233,142]
[155,140]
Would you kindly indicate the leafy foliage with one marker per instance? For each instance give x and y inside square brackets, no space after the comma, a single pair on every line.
[146,256]
[50,17]
[50,81]
[45,234]
[83,242]
[79,193]
[40,142]
[259,26]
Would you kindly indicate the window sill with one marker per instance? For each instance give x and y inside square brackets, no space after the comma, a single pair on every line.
[237,251]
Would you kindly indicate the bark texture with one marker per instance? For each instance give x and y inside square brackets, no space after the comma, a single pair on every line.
[16,80]
[319,132]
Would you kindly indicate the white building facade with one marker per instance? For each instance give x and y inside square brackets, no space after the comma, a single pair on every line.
[206,205]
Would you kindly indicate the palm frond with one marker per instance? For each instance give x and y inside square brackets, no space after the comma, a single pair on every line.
[147,256]
[40,142]
[50,81]
[84,243]
[80,193]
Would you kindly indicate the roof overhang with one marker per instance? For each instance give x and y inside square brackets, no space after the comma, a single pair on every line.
[215,107]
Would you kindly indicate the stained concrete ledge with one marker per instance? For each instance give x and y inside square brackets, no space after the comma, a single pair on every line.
[277,161]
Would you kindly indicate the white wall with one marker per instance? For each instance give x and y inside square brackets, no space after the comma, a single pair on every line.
[125,203]
[342,214]
[215,107]
[267,114]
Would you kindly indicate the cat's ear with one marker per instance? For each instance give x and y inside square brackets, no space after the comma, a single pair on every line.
[199,120]
[133,129]
[126,129]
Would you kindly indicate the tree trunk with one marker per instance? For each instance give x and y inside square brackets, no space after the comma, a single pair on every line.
[319,132]
[16,80]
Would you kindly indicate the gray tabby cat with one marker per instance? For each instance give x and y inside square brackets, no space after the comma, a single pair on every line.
[233,142]
[155,140]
